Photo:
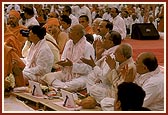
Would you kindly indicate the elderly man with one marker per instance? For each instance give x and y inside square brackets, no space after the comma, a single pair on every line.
[53,28]
[117,75]
[151,79]
[74,71]
[14,17]
[11,40]
[52,43]
[98,75]
[95,25]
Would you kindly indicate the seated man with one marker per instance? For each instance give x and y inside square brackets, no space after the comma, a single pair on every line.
[130,97]
[117,75]
[151,79]
[110,42]
[53,28]
[74,71]
[11,40]
[40,58]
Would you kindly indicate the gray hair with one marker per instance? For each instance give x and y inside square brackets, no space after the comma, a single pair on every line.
[126,50]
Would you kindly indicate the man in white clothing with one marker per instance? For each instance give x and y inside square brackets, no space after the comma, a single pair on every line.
[30,20]
[40,58]
[74,71]
[117,75]
[13,7]
[97,77]
[68,12]
[151,79]
[118,22]
[84,10]
[104,27]
[133,20]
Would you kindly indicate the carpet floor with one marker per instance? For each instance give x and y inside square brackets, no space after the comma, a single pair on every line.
[155,46]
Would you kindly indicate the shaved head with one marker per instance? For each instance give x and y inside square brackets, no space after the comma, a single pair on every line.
[149,60]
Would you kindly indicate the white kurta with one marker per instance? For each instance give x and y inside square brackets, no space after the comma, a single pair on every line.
[153,85]
[29,22]
[51,41]
[115,79]
[72,78]
[73,19]
[119,26]
[39,61]
[84,10]
[100,72]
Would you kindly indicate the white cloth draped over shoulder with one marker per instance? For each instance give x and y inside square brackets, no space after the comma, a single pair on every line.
[75,53]
[153,85]
[100,71]
[39,61]
[54,48]
[72,77]
[115,79]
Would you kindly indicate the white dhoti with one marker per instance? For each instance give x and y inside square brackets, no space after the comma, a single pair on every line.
[98,91]
[57,80]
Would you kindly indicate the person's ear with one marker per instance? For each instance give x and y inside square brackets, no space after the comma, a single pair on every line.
[118,106]
[145,68]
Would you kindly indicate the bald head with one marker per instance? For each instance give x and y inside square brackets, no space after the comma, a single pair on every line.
[123,52]
[149,60]
[76,32]
[79,28]
[126,50]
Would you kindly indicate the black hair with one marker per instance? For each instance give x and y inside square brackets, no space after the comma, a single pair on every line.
[151,63]
[126,12]
[109,25]
[131,96]
[68,9]
[29,11]
[89,38]
[115,37]
[85,16]
[66,19]
[117,11]
[38,30]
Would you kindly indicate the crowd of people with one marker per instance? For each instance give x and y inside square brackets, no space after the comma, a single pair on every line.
[79,46]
